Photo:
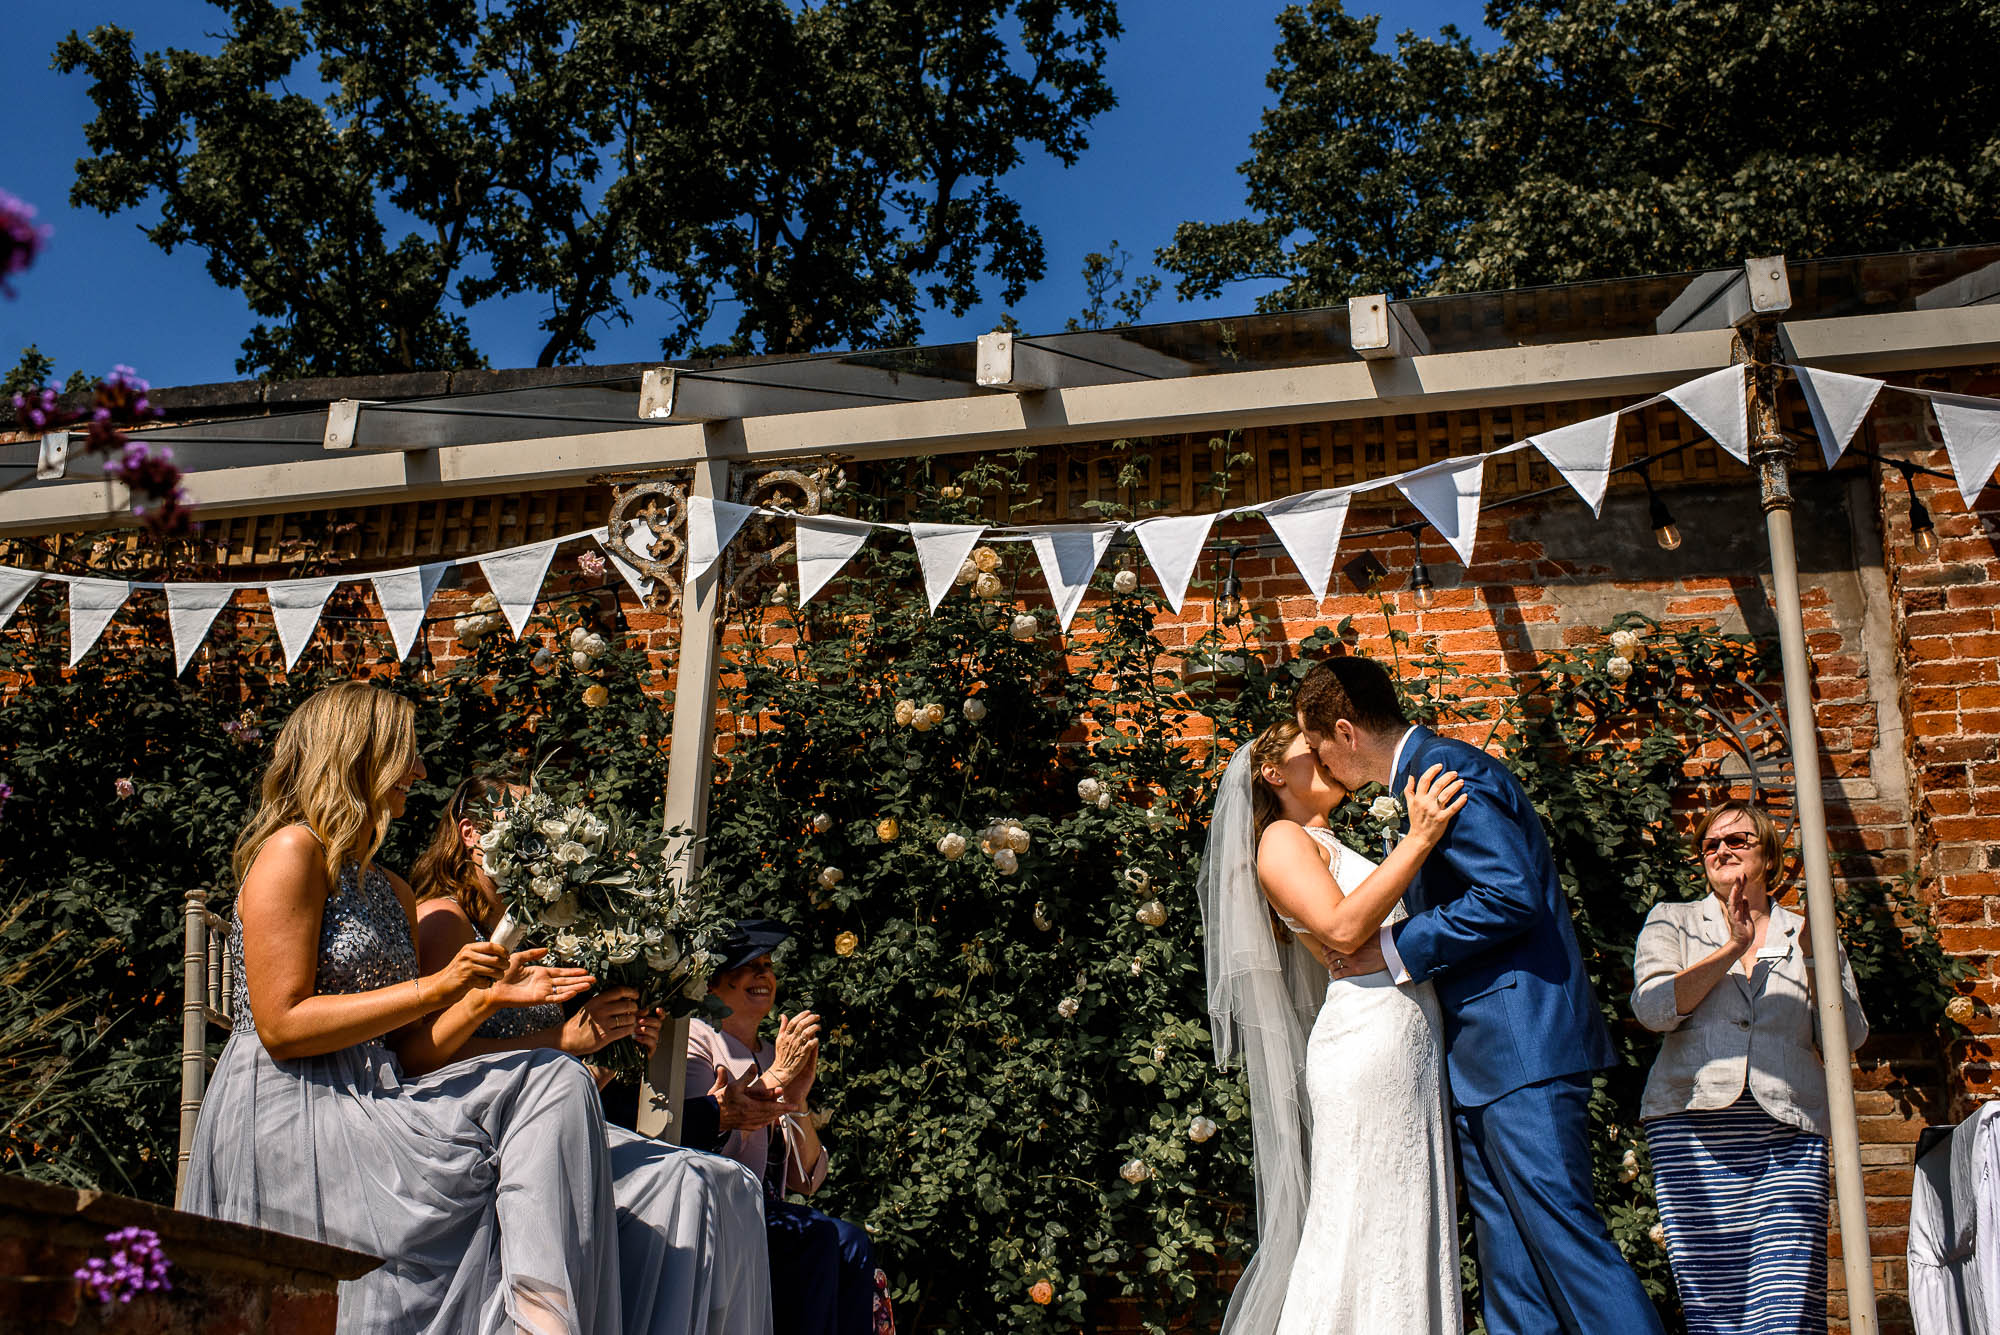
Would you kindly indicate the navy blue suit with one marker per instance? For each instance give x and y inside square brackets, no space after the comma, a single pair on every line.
[1490,929]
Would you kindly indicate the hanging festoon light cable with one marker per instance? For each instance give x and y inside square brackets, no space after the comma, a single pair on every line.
[1229,607]
[1922,531]
[1665,531]
[1420,574]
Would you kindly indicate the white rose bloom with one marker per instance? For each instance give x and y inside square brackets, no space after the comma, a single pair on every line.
[1024,626]
[581,661]
[1152,913]
[952,846]
[1125,581]
[1018,838]
[572,852]
[922,720]
[906,712]
[596,646]
[829,877]
[974,710]
[1067,1008]
[661,959]
[547,887]
[564,912]
[1088,789]
[491,839]
[967,573]
[1137,878]
[1625,644]
[619,947]
[1618,669]
[821,823]
[1201,1128]
[1104,800]
[935,713]
[552,829]
[577,637]
[988,586]
[1005,862]
[1386,809]
[1135,1171]
[568,945]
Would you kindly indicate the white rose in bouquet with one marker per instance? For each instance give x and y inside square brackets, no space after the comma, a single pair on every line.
[568,944]
[662,957]
[552,828]
[618,945]
[564,912]
[490,840]
[571,852]
[548,887]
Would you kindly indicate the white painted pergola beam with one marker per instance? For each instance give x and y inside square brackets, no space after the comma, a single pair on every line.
[1332,391]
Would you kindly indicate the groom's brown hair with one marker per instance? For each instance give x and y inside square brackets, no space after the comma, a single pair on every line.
[1359,690]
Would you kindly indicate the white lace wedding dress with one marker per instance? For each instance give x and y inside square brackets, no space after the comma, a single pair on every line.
[1378,1254]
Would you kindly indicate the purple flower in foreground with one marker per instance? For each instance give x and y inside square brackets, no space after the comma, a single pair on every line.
[21,238]
[124,787]
[6,791]
[136,1266]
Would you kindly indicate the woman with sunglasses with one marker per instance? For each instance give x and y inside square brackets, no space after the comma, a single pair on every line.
[1735,1105]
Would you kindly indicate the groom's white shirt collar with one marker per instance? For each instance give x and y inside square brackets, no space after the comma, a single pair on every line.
[1385,936]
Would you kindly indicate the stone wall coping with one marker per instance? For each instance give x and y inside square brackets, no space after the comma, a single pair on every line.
[68,1215]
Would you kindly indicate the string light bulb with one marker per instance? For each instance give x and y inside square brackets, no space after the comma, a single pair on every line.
[1231,604]
[1420,574]
[1922,531]
[1665,531]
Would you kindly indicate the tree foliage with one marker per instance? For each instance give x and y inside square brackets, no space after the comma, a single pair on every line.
[367,170]
[1602,138]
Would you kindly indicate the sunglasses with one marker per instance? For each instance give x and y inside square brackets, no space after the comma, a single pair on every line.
[1735,843]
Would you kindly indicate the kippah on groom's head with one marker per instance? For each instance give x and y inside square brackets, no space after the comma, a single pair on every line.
[1359,690]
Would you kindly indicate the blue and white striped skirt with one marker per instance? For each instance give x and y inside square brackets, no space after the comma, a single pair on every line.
[1743,1198]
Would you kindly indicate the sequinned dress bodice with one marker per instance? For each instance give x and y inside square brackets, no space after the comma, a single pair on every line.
[364,940]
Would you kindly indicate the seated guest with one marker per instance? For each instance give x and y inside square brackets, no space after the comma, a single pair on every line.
[1735,1106]
[746,1098]
[689,1224]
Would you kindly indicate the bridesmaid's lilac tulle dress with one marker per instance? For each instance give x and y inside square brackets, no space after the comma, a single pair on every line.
[486,1187]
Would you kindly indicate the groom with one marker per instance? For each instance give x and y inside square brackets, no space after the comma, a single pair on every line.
[1489,926]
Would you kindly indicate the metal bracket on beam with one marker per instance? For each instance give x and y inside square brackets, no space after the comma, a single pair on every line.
[342,417]
[1007,364]
[657,388]
[1729,298]
[53,458]
[1379,328]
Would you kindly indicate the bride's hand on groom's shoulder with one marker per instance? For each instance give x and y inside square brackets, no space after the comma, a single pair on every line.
[1431,801]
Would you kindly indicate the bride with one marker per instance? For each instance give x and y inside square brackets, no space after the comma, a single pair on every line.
[1344,1066]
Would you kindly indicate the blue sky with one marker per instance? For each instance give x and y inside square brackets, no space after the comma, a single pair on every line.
[1189,75]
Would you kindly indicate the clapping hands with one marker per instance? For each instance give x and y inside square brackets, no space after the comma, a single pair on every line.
[526,983]
[797,1061]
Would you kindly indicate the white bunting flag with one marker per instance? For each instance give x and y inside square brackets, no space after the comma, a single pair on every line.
[1310,526]
[515,578]
[1837,403]
[1971,431]
[1717,405]
[941,550]
[92,604]
[191,610]
[711,525]
[1173,548]
[296,605]
[1448,496]
[14,586]
[824,545]
[1069,554]
[1581,452]
[405,595]
[638,537]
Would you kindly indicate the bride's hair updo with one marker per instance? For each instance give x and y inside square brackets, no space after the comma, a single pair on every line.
[445,870]
[336,760]
[1268,748]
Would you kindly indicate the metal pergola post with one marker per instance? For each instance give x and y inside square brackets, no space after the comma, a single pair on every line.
[1771,453]
[690,765]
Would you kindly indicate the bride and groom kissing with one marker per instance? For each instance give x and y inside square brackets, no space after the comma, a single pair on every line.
[1376,1005]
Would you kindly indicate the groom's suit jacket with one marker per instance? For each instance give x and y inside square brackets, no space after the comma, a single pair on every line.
[1490,928]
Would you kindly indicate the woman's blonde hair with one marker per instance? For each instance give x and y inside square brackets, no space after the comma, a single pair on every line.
[1268,748]
[445,870]
[1768,841]
[337,758]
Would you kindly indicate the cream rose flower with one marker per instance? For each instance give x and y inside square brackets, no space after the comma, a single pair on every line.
[1386,809]
[1126,581]
[1152,913]
[595,697]
[829,877]
[1616,668]
[1024,626]
[1005,862]
[988,586]
[906,712]
[952,846]
[1135,1171]
[974,710]
[1201,1129]
[1067,1008]
[986,558]
[845,944]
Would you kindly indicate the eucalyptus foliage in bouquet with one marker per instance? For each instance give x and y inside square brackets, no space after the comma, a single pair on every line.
[604,896]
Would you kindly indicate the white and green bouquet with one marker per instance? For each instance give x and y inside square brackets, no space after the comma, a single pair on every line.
[601,895]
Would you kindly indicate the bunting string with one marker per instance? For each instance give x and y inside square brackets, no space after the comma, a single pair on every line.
[1309,526]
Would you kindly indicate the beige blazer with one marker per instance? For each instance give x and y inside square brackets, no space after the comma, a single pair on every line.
[1758,1028]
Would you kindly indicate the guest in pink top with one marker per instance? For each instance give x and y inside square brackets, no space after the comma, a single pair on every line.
[746,1098]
